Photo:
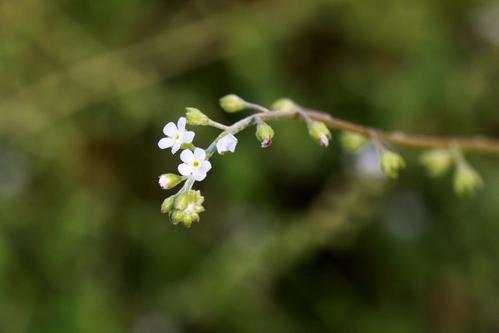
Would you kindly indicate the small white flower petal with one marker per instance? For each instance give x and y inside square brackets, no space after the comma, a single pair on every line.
[170,129]
[227,143]
[165,143]
[181,124]
[199,153]
[199,175]
[205,166]
[232,146]
[185,169]
[220,147]
[188,136]
[175,147]
[187,156]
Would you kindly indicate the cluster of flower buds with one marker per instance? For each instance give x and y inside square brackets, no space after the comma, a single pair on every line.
[185,206]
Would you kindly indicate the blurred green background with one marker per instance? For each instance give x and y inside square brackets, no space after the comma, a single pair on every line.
[295,238]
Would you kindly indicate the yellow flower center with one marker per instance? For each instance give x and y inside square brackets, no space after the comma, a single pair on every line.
[177,136]
[196,164]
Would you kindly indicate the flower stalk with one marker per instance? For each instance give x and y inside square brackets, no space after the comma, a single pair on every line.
[185,206]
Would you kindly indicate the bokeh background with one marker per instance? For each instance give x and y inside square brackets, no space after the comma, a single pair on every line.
[295,238]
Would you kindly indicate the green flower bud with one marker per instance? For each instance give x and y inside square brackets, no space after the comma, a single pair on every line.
[196,117]
[176,217]
[319,132]
[194,202]
[169,180]
[232,103]
[466,179]
[167,204]
[353,141]
[391,163]
[189,218]
[436,161]
[284,104]
[264,134]
[181,201]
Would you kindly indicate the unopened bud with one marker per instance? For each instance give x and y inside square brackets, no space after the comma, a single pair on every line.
[169,180]
[264,134]
[391,163]
[196,117]
[319,132]
[176,216]
[466,179]
[181,201]
[353,141]
[167,204]
[436,161]
[284,104]
[232,103]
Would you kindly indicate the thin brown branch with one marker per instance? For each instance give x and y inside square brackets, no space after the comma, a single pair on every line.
[478,144]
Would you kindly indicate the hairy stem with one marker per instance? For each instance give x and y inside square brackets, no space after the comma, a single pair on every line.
[478,144]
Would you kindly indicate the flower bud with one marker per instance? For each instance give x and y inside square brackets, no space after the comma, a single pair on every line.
[181,201]
[319,132]
[169,180]
[436,161]
[196,117]
[391,163]
[232,103]
[167,204]
[353,141]
[284,104]
[466,179]
[264,134]
[176,217]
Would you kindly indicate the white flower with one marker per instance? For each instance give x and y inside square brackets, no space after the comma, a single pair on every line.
[176,135]
[227,143]
[195,164]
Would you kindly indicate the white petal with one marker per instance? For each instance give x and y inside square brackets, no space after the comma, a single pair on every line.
[205,166]
[234,144]
[187,156]
[188,136]
[220,147]
[184,169]
[175,147]
[170,129]
[165,143]
[199,175]
[181,124]
[199,153]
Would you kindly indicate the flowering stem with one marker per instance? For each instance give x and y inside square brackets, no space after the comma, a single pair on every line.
[478,144]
